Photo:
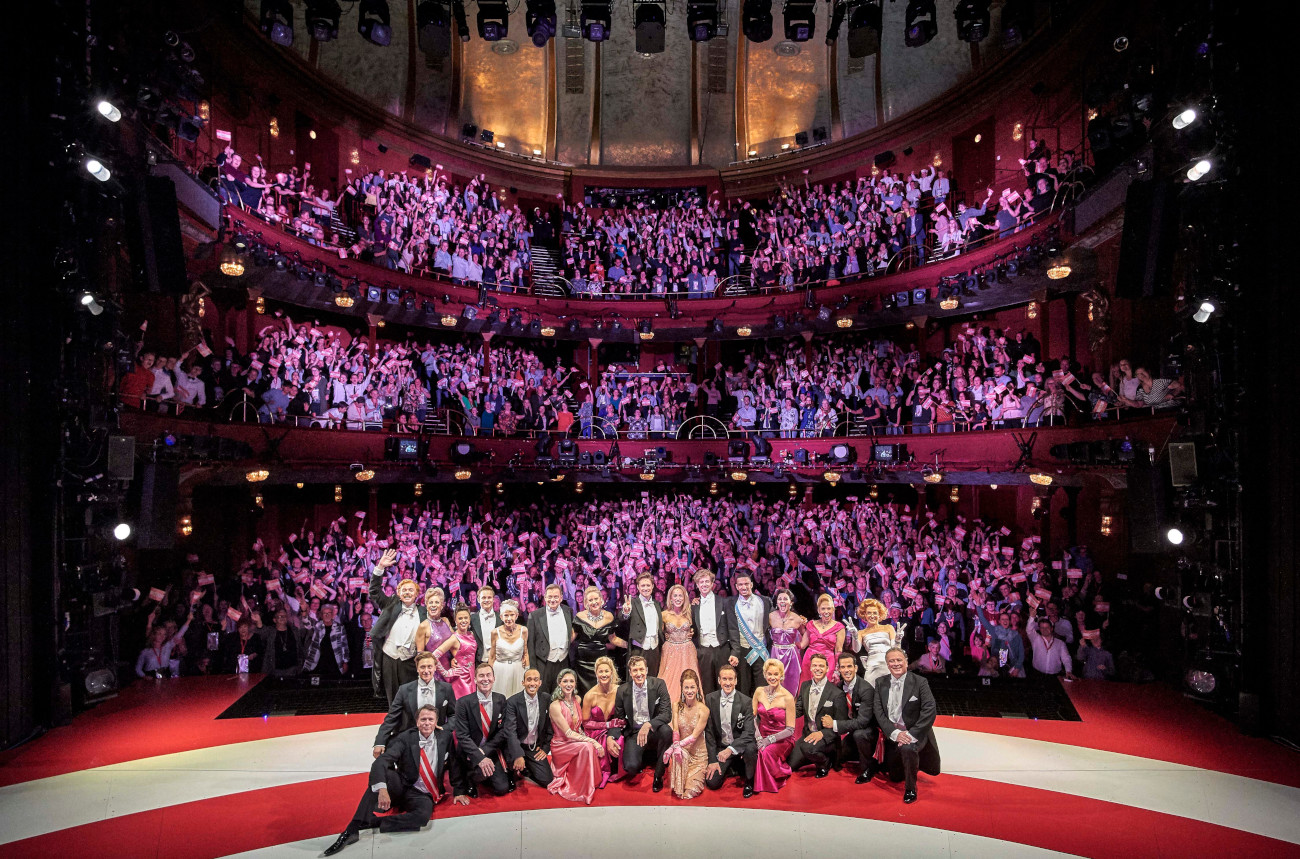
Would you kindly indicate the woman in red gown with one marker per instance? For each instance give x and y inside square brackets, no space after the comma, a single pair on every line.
[774,728]
[575,757]
[824,635]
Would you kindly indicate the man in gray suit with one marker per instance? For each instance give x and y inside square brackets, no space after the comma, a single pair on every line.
[905,711]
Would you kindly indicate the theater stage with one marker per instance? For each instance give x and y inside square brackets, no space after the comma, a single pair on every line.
[1145,773]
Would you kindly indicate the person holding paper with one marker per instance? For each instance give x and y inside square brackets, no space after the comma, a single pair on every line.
[1051,654]
[241,652]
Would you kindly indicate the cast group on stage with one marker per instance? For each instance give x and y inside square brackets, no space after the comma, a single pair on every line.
[713,691]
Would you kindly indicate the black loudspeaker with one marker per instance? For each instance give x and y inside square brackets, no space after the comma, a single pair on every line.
[1146,506]
[421,161]
[1182,463]
[885,159]
[121,457]
[598,458]
[1150,222]
[160,238]
[156,523]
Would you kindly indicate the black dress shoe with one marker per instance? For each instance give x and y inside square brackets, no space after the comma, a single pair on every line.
[512,785]
[822,772]
[863,777]
[658,784]
[748,791]
[348,837]
[909,796]
[473,791]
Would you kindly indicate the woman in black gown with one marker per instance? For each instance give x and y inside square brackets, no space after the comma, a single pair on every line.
[594,630]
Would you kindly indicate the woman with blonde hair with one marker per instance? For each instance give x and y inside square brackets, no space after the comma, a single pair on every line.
[688,756]
[678,654]
[508,654]
[597,716]
[873,641]
[773,728]
[825,635]
[593,636]
[434,629]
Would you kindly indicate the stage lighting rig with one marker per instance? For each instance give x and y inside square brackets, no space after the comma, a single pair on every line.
[921,25]
[649,21]
[322,17]
[596,20]
[864,29]
[756,20]
[702,20]
[540,20]
[972,20]
[433,25]
[800,20]
[493,20]
[277,21]
[374,23]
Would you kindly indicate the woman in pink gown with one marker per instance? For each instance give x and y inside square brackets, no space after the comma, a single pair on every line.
[773,728]
[575,757]
[462,646]
[597,707]
[678,653]
[825,635]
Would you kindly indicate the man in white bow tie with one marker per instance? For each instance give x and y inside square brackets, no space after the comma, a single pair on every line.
[393,634]
[905,711]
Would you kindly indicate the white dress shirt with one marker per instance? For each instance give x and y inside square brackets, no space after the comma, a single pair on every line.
[640,704]
[558,632]
[402,634]
[815,699]
[752,607]
[895,708]
[708,621]
[724,716]
[426,693]
[488,623]
[651,613]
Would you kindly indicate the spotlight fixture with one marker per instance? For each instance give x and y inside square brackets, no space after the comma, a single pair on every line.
[257,475]
[1203,313]
[540,20]
[864,30]
[800,20]
[972,20]
[1183,119]
[493,20]
[921,26]
[373,22]
[108,110]
[433,25]
[823,314]
[322,17]
[1059,271]
[88,301]
[756,22]
[702,19]
[277,21]
[595,20]
[96,168]
[122,531]
[1176,536]
[1040,479]
[1194,173]
[993,486]
[649,22]
[1017,22]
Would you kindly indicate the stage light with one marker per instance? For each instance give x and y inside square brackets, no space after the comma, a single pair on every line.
[702,20]
[96,168]
[108,110]
[756,22]
[649,20]
[1200,681]
[373,22]
[800,20]
[322,17]
[1175,535]
[540,21]
[493,20]
[121,531]
[921,26]
[1181,121]
[92,306]
[1205,311]
[596,21]
[277,21]
[433,22]
[972,20]
[1199,169]
[1017,21]
[823,314]
[864,30]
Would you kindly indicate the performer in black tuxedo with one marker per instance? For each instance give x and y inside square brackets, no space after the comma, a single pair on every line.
[550,632]
[393,634]
[817,697]
[858,732]
[404,781]
[410,697]
[642,703]
[905,711]
[528,730]
[748,628]
[481,735]
[645,623]
[711,622]
[729,734]
[483,621]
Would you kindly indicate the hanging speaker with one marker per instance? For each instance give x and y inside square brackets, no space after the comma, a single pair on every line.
[1182,463]
[121,457]
[156,523]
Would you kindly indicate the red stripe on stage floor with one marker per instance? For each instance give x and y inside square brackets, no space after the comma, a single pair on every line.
[1055,821]
[158,717]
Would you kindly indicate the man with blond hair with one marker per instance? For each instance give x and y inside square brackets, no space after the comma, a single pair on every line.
[393,634]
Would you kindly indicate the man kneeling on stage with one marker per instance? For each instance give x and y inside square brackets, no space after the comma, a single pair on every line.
[404,781]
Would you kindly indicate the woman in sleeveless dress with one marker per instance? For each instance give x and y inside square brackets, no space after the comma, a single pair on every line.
[785,627]
[597,710]
[508,653]
[678,654]
[462,646]
[688,756]
[593,631]
[434,629]
[873,641]
[575,757]
[825,635]
[773,728]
